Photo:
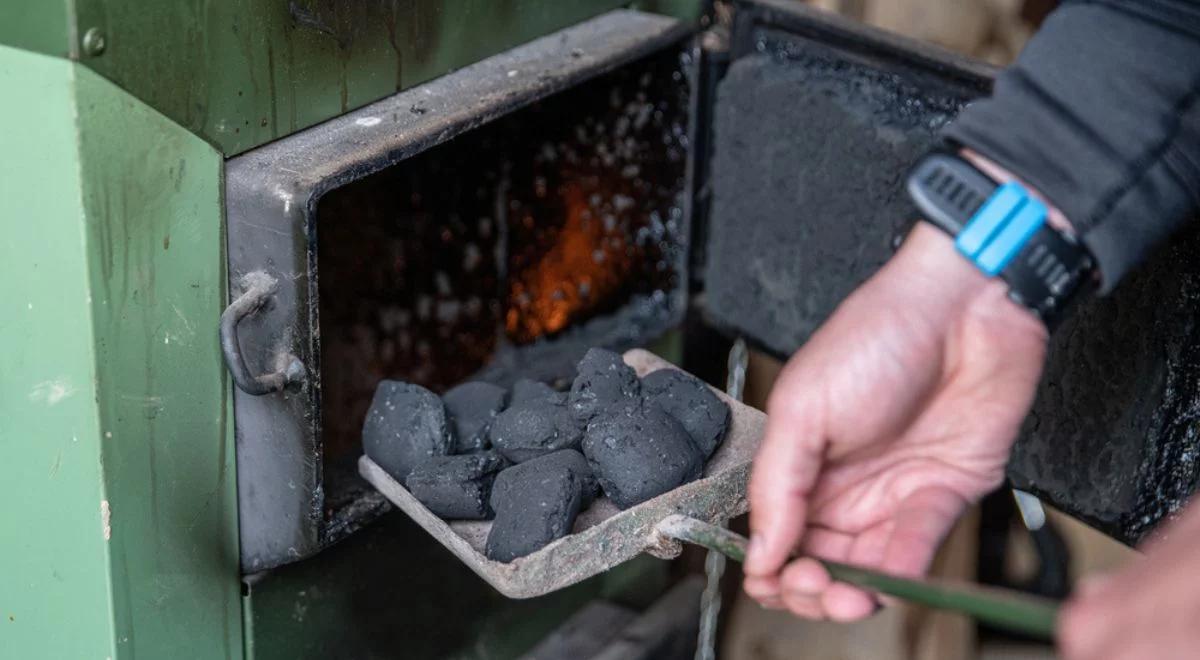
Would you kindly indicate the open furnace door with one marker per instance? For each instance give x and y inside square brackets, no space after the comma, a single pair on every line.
[815,124]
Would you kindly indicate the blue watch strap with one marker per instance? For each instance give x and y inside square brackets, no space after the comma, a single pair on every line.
[1000,228]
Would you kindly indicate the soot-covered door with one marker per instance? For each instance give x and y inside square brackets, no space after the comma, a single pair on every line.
[815,124]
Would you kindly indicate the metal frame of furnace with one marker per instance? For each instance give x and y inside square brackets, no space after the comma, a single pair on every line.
[272,195]
[116,428]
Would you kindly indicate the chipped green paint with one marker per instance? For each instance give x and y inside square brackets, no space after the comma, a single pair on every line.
[240,73]
[115,447]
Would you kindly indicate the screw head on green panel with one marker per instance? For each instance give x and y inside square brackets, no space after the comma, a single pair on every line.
[94,41]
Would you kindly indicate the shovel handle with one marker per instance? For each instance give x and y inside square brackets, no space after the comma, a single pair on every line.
[1003,608]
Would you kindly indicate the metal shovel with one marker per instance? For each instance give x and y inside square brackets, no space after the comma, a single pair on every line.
[605,536]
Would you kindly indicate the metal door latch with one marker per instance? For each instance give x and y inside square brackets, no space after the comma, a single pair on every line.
[258,287]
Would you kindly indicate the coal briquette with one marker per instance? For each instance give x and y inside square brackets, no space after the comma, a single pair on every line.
[534,428]
[603,380]
[473,407]
[525,390]
[457,487]
[692,403]
[574,461]
[638,453]
[405,426]
[535,503]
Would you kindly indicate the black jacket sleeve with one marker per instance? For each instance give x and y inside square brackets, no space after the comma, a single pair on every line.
[1100,113]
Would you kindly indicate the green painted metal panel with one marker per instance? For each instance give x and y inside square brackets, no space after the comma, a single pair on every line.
[118,508]
[43,26]
[54,578]
[240,73]
[152,197]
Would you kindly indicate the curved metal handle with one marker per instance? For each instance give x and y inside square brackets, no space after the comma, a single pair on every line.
[290,371]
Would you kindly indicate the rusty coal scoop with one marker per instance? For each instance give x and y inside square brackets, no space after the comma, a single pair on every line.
[603,535]
[533,459]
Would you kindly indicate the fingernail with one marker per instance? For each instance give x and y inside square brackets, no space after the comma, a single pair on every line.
[753,549]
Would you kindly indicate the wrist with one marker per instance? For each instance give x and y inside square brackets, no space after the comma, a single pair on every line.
[928,265]
[930,274]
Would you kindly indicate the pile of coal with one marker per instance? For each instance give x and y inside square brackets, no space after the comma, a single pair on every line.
[532,458]
[645,438]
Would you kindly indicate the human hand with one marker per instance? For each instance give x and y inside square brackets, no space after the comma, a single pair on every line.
[894,416]
[1150,609]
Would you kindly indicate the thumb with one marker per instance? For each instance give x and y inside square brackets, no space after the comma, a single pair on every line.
[785,471]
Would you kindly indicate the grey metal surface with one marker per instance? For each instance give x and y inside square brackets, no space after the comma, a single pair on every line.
[604,536]
[258,287]
[271,196]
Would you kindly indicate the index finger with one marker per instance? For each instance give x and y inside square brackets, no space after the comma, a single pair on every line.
[785,471]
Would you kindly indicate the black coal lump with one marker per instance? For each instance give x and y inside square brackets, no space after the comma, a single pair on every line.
[578,465]
[405,426]
[525,390]
[603,381]
[692,403]
[534,428]
[535,503]
[639,453]
[472,407]
[457,487]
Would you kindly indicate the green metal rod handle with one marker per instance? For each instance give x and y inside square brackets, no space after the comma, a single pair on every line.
[1003,608]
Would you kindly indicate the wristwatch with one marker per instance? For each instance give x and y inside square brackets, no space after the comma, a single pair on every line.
[1002,229]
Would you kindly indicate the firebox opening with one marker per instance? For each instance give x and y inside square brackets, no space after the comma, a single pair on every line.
[533,229]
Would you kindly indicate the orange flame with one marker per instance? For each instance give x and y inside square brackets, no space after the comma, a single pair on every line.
[581,269]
